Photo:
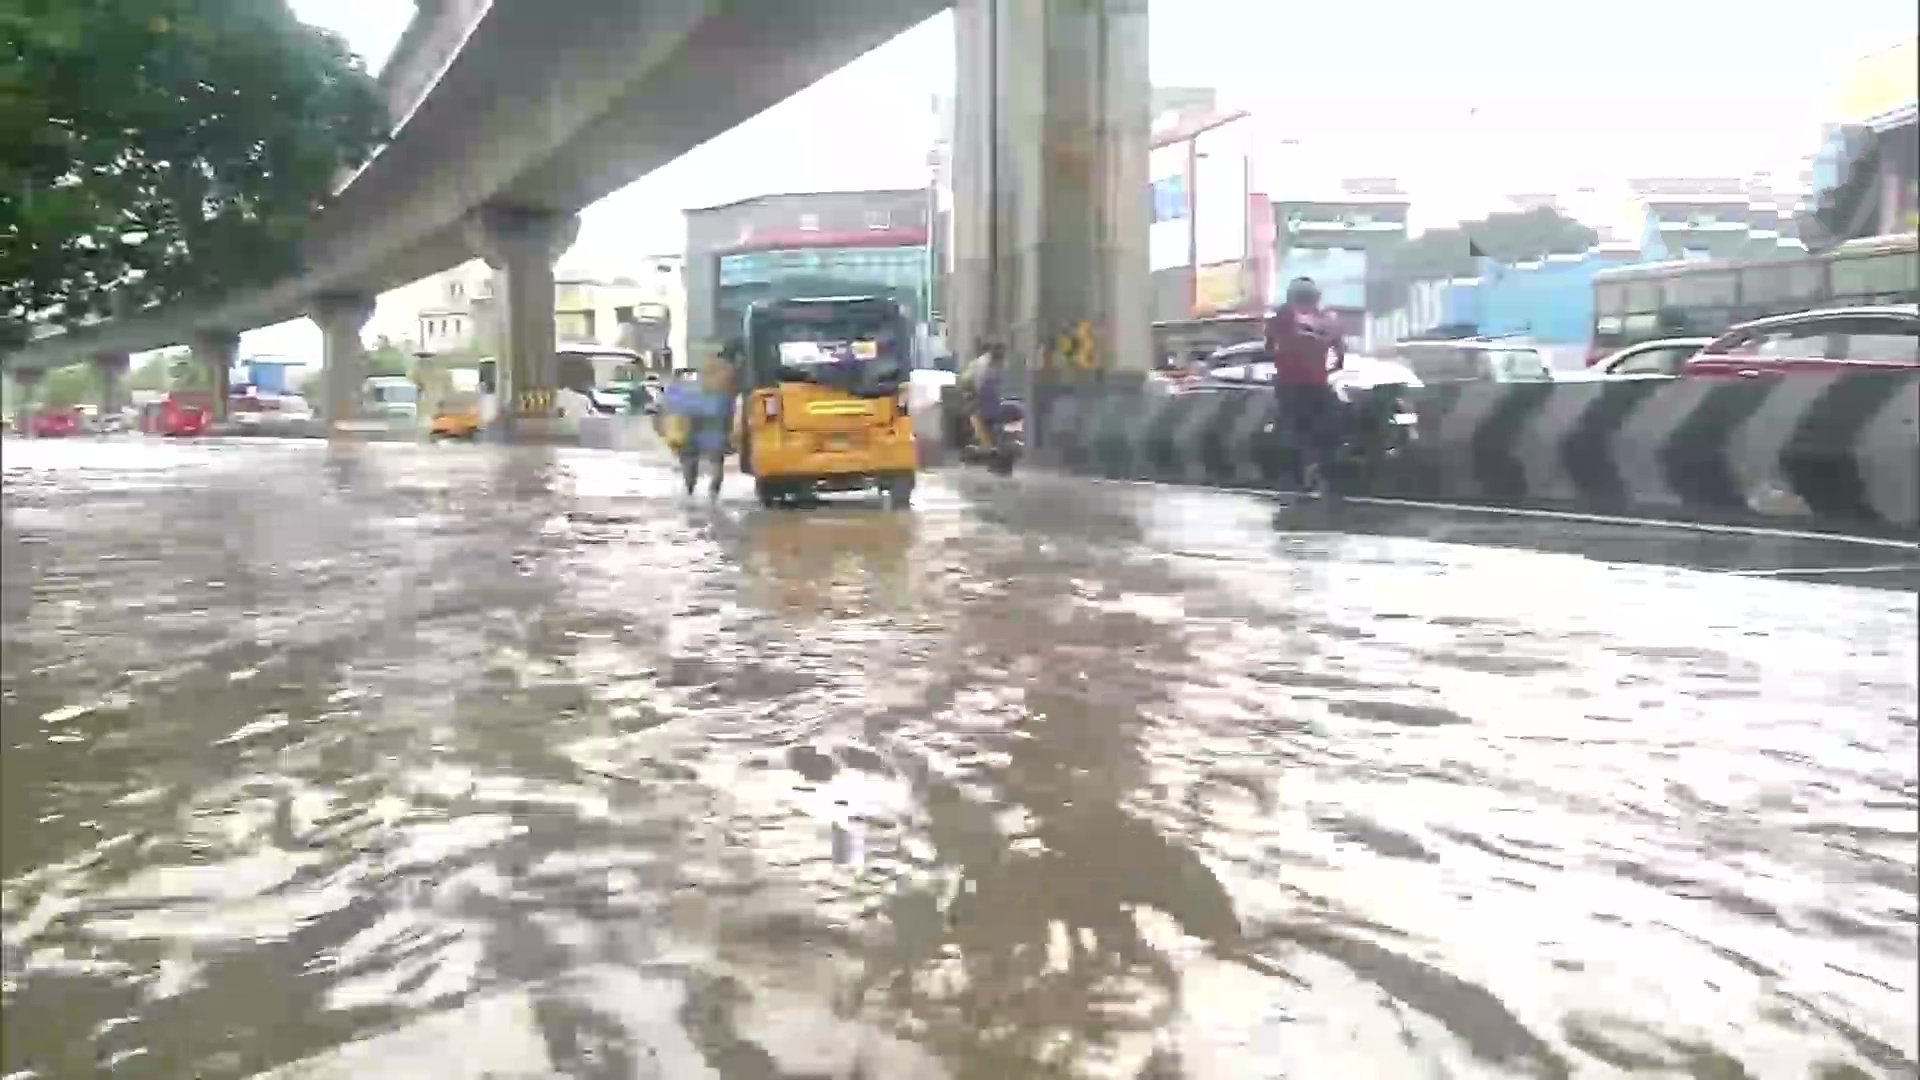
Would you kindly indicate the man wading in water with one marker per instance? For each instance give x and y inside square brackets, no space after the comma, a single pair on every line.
[1300,337]
[697,421]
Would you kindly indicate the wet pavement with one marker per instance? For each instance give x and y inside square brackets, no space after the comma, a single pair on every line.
[443,762]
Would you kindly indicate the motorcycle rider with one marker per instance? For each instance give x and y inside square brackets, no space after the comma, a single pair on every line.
[1299,338]
[982,382]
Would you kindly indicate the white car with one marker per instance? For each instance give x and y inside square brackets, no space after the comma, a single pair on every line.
[1660,359]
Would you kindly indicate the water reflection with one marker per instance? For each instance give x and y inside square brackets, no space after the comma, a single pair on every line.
[464,763]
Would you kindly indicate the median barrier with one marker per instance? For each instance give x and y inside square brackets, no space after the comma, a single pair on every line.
[1839,450]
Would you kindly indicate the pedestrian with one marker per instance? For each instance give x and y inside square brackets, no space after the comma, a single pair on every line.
[698,422]
[1300,339]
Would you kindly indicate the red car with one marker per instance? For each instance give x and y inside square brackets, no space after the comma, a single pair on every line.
[1839,339]
[54,423]
[175,415]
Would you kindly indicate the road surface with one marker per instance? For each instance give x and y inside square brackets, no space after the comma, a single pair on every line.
[451,762]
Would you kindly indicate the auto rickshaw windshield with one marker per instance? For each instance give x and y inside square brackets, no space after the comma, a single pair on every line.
[857,349]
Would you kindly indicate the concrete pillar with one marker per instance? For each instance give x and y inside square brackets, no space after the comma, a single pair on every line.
[1051,202]
[341,317]
[26,399]
[521,246]
[216,351]
[111,367]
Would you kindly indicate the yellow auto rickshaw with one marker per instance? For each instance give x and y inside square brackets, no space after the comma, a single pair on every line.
[456,417]
[823,398]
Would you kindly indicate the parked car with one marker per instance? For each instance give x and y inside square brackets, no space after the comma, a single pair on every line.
[1471,359]
[54,423]
[1838,339]
[176,415]
[1661,359]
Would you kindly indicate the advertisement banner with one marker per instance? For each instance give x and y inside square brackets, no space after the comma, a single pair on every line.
[1220,193]
[1169,237]
[1220,288]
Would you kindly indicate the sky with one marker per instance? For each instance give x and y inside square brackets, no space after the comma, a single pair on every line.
[1463,103]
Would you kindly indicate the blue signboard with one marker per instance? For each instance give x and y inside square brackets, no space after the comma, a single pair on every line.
[1170,198]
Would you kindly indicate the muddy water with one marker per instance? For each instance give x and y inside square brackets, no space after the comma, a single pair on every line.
[453,764]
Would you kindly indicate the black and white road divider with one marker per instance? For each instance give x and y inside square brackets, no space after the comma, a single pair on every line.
[1831,448]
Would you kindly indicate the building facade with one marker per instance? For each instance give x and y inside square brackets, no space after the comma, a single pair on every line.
[837,243]
[1709,218]
[452,313]
[1335,238]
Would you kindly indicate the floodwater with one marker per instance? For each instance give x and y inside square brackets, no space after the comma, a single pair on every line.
[445,762]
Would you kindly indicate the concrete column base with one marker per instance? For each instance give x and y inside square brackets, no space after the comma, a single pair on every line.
[28,380]
[521,245]
[112,367]
[341,317]
[216,351]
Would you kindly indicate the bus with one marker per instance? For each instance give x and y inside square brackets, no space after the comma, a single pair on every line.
[1702,298]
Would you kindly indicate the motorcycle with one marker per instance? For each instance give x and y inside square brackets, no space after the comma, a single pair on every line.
[1379,429]
[1009,435]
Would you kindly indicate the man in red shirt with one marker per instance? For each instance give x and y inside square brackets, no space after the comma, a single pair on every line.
[1300,339]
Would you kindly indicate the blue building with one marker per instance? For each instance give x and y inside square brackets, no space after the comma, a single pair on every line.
[270,374]
[1550,301]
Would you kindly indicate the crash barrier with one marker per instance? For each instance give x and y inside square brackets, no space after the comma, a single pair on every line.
[1832,449]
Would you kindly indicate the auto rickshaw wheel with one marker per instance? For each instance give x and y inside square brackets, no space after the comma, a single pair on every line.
[770,495]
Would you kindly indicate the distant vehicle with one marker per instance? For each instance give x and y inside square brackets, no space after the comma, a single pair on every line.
[1661,358]
[178,415]
[390,397]
[1837,339]
[1633,304]
[458,417]
[1182,338]
[54,423]
[1246,365]
[1473,359]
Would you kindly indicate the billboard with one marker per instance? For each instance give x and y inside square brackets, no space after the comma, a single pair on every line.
[1220,157]
[1220,288]
[1880,90]
[1170,234]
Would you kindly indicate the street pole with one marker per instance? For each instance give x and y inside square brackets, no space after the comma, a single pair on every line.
[933,236]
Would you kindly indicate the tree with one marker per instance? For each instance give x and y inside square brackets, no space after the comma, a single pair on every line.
[65,387]
[155,372]
[1506,238]
[165,150]
[186,372]
[386,358]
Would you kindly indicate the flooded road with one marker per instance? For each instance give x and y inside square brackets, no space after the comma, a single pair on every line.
[444,763]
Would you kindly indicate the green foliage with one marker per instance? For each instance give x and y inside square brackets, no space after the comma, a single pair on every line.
[154,372]
[65,387]
[184,372]
[386,358]
[162,150]
[1506,238]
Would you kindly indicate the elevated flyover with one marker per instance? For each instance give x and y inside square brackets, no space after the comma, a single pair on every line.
[542,106]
